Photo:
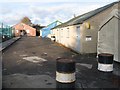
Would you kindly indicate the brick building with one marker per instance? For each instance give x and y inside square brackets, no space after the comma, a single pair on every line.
[22,29]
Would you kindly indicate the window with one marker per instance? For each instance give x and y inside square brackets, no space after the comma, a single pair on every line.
[61,33]
[88,38]
[17,31]
[67,32]
[27,31]
[78,27]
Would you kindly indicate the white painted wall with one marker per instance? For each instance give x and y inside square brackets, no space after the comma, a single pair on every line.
[68,36]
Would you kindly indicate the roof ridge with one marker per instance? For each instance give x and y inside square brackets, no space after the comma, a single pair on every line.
[88,15]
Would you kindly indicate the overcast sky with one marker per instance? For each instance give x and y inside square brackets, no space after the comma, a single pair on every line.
[46,11]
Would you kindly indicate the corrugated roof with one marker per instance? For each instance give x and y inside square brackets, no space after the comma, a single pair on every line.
[51,25]
[81,18]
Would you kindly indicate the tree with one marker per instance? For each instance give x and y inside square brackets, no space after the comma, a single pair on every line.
[26,20]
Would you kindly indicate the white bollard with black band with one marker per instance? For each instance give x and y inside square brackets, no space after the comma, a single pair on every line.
[105,62]
[65,72]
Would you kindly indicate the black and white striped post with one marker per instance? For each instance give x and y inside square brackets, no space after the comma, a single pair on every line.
[65,73]
[105,62]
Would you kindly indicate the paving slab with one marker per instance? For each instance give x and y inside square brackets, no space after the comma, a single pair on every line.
[7,43]
[3,46]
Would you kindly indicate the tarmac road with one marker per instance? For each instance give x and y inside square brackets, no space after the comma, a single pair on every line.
[32,56]
[31,63]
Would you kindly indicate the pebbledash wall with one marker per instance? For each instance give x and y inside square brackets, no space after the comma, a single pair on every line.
[81,33]
[21,28]
[108,35]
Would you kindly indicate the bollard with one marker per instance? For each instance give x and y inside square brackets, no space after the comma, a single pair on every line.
[105,62]
[65,73]
[66,86]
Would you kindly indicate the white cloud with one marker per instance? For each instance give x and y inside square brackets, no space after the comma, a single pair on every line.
[47,1]
[43,13]
[35,20]
[63,12]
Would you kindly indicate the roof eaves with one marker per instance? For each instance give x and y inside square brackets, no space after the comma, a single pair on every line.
[93,13]
[81,18]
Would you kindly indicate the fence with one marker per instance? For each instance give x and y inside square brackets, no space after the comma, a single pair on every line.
[6,32]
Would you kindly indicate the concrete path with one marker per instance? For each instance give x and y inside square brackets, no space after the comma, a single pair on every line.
[2,47]
[31,63]
[7,43]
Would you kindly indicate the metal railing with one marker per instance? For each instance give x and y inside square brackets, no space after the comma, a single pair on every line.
[6,32]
